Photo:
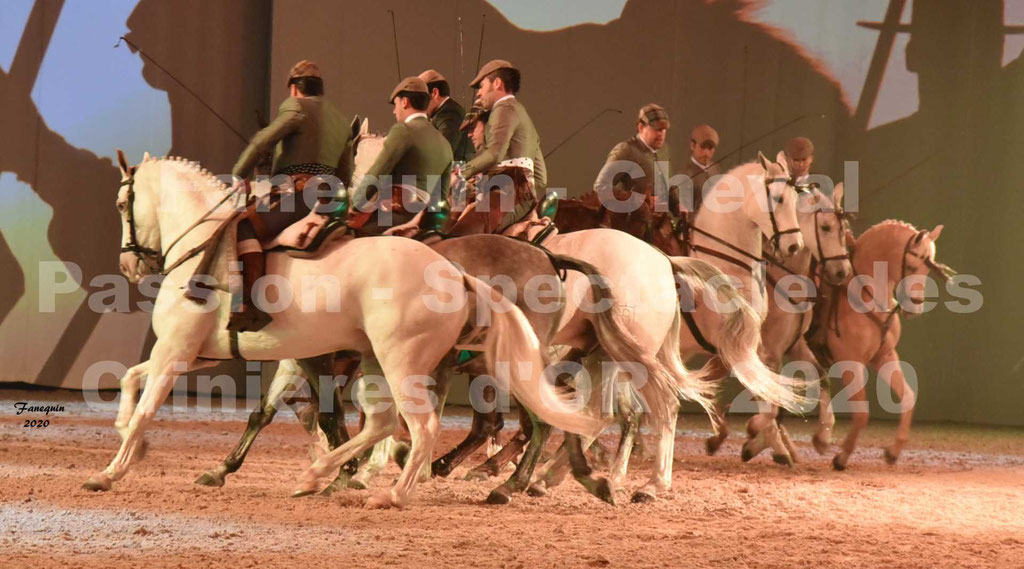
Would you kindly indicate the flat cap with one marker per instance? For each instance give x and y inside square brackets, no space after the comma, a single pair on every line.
[652,113]
[430,76]
[704,133]
[799,148]
[409,85]
[488,68]
[304,68]
[475,113]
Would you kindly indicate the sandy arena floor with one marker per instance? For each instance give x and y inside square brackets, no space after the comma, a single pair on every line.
[955,499]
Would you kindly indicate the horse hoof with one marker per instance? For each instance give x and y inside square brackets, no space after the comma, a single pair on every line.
[537,491]
[837,464]
[746,455]
[605,491]
[641,497]
[143,449]
[475,475]
[821,446]
[890,458]
[378,502]
[783,459]
[210,479]
[99,483]
[499,497]
[356,484]
[335,486]
[711,445]
[440,470]
[303,492]
[400,453]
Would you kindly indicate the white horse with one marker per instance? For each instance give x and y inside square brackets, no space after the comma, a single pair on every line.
[750,203]
[389,310]
[823,227]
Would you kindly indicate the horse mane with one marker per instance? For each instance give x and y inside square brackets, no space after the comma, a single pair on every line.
[189,167]
[890,224]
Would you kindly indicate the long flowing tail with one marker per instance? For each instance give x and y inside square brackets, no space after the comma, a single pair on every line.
[738,336]
[670,382]
[513,356]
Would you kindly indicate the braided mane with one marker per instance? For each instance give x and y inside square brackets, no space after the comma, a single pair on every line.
[189,166]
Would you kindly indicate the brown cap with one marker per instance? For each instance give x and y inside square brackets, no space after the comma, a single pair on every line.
[652,113]
[475,113]
[704,133]
[304,68]
[799,148]
[410,85]
[488,68]
[430,76]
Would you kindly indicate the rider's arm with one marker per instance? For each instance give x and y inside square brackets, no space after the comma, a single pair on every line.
[395,145]
[500,126]
[289,117]
[606,177]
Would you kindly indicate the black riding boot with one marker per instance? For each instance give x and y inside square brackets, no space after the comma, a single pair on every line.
[251,318]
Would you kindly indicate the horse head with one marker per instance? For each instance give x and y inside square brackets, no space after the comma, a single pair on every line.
[773,207]
[140,234]
[823,226]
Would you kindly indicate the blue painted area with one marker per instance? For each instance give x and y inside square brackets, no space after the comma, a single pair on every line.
[93,94]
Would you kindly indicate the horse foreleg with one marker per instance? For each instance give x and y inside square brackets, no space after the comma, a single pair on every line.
[581,471]
[485,424]
[165,366]
[334,430]
[889,371]
[826,418]
[284,380]
[859,408]
[719,423]
[536,433]
[131,385]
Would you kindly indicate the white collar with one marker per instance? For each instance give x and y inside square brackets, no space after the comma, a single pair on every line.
[503,98]
[702,167]
[415,116]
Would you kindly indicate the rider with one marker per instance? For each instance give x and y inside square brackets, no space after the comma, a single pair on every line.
[446,114]
[799,157]
[703,143]
[416,159]
[308,136]
[511,158]
[634,174]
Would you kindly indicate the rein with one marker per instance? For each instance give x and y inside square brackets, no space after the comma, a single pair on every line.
[156,258]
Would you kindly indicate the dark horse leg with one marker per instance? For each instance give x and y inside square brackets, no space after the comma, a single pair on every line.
[533,434]
[264,414]
[493,465]
[484,426]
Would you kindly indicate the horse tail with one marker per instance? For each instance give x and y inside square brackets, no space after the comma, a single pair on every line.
[739,335]
[670,382]
[513,357]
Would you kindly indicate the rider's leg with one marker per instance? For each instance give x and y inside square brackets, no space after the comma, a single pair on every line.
[250,318]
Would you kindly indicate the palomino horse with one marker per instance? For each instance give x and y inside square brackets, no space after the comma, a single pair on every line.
[860,321]
[407,324]
[824,260]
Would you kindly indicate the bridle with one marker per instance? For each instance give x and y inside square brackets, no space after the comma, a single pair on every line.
[153,258]
[776,233]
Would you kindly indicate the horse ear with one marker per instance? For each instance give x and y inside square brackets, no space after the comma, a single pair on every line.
[762,160]
[122,163]
[934,234]
[146,156]
[850,238]
[780,159]
[365,127]
[837,196]
[356,127]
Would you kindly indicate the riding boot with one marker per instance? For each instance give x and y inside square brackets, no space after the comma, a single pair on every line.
[251,318]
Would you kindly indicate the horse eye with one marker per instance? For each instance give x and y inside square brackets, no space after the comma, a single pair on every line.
[826,228]
[779,198]
[120,206]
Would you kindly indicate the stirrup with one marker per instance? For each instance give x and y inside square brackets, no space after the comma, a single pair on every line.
[313,249]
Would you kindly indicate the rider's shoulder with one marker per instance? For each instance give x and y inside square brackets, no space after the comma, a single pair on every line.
[291,104]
